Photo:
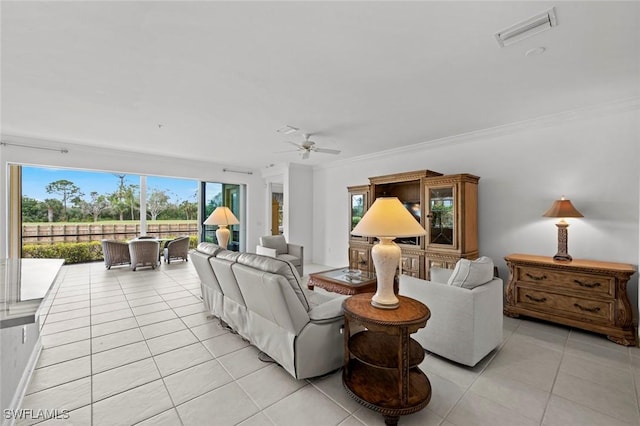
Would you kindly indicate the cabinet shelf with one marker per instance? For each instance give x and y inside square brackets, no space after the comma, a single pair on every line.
[377,388]
[372,348]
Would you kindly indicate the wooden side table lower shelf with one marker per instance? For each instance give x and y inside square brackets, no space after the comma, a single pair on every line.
[381,363]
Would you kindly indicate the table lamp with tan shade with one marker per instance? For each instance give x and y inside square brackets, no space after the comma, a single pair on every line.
[562,209]
[223,217]
[387,219]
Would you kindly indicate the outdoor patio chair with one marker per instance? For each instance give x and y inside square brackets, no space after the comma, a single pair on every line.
[177,249]
[115,253]
[144,252]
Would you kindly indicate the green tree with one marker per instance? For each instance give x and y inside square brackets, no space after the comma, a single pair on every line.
[157,202]
[53,208]
[189,209]
[66,190]
[97,205]
[33,210]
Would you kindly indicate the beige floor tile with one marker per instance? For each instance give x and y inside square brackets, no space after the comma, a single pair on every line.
[530,401]
[306,406]
[184,301]
[57,374]
[123,378]
[154,317]
[146,300]
[63,307]
[209,330]
[197,319]
[109,307]
[270,384]
[67,396]
[67,315]
[70,324]
[474,410]
[114,340]
[444,395]
[162,328]
[166,418]
[117,357]
[169,342]
[132,406]
[258,419]
[330,385]
[562,412]
[182,358]
[108,300]
[195,381]
[57,354]
[65,337]
[611,377]
[607,400]
[184,311]
[104,328]
[242,362]
[78,417]
[224,344]
[147,309]
[111,316]
[228,404]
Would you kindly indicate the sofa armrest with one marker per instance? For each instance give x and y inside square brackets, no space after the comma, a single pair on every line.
[328,311]
[296,250]
[265,251]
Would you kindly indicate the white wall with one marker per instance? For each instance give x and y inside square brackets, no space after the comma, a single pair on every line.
[591,156]
[299,217]
[91,158]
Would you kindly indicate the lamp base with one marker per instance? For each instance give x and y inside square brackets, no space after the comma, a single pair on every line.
[563,257]
[386,257]
[384,305]
[563,238]
[223,234]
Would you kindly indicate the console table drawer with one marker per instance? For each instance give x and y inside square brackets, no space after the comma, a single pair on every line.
[599,310]
[567,280]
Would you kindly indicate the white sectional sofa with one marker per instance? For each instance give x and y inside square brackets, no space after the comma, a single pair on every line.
[465,324]
[261,298]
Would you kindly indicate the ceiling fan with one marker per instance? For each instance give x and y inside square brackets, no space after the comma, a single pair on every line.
[309,146]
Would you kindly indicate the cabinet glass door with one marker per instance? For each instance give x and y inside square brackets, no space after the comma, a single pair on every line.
[442,216]
[357,208]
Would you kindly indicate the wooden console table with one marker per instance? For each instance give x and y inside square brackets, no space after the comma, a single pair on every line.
[585,294]
[381,363]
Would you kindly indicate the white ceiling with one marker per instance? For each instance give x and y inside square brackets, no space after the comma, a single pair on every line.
[221,77]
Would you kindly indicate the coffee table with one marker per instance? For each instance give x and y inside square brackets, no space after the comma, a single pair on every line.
[343,281]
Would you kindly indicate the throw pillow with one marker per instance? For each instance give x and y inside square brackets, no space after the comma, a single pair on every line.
[470,274]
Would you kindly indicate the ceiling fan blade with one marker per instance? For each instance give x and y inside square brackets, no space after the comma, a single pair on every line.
[305,155]
[297,145]
[327,151]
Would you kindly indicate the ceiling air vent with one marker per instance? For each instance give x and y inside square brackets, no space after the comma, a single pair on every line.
[527,28]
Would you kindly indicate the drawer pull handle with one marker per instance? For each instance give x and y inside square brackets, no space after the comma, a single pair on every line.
[582,308]
[535,299]
[587,285]
[536,278]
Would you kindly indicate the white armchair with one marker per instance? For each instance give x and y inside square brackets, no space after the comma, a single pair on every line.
[465,324]
[276,246]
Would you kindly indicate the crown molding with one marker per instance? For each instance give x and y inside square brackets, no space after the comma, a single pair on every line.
[600,110]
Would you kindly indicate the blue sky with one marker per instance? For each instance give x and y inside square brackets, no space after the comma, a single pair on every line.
[35,179]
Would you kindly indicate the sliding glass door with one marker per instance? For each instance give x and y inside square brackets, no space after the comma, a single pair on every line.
[215,194]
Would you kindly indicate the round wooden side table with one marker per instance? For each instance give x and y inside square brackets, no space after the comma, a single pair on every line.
[381,361]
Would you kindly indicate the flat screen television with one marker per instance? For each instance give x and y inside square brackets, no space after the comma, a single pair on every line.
[414,208]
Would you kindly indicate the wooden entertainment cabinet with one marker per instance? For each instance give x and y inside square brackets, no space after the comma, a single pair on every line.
[445,205]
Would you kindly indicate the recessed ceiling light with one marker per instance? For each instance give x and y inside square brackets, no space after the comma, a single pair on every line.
[287,130]
[535,51]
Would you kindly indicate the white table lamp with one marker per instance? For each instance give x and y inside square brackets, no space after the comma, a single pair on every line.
[387,219]
[222,217]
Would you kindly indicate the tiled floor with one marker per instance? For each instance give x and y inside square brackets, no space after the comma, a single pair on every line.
[124,347]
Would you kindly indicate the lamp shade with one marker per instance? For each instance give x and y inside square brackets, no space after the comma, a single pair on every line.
[222,216]
[562,208]
[387,217]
